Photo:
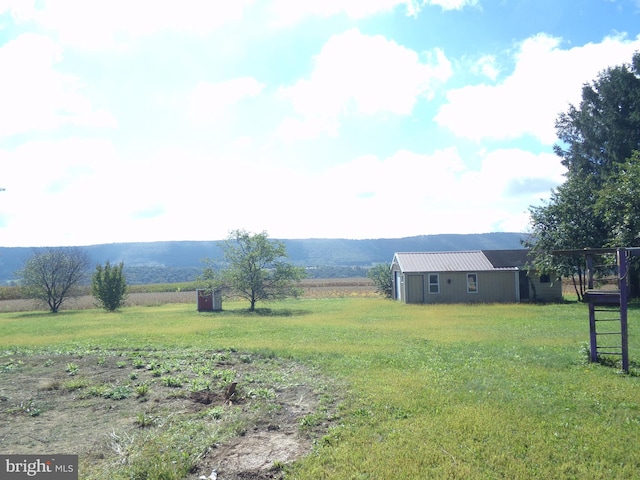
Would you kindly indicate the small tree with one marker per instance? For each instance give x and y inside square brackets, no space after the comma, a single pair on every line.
[382,279]
[255,269]
[109,286]
[52,275]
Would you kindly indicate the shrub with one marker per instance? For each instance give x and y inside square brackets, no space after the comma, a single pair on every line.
[109,286]
[382,279]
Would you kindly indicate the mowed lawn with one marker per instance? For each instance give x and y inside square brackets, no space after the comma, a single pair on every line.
[451,391]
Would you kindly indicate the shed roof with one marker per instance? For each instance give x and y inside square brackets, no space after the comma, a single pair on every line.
[468,261]
[507,258]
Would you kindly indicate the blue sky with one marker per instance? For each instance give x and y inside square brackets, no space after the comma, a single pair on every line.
[155,120]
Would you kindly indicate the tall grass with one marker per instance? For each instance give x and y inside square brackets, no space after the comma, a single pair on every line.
[455,391]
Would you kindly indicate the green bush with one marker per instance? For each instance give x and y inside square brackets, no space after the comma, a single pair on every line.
[109,286]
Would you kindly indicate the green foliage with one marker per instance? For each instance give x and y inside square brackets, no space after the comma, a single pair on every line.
[336,272]
[25,408]
[144,420]
[118,392]
[162,287]
[52,275]
[605,129]
[171,381]
[597,205]
[617,203]
[566,222]
[145,275]
[109,286]
[255,269]
[10,293]
[72,369]
[142,390]
[381,276]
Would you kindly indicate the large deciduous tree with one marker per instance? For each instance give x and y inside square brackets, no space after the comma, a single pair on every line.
[52,275]
[605,129]
[618,203]
[255,268]
[109,286]
[597,205]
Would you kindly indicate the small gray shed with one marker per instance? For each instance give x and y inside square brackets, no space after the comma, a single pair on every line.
[477,276]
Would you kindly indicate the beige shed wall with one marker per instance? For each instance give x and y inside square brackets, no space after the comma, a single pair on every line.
[545,292]
[415,288]
[492,287]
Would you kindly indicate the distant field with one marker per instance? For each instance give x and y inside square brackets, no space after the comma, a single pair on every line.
[185,293]
[344,387]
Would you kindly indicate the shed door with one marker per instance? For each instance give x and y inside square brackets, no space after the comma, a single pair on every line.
[398,285]
[415,288]
[205,300]
[524,285]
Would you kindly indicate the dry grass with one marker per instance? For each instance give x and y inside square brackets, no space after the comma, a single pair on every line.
[338,288]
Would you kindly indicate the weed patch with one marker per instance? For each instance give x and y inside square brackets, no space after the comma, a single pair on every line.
[150,427]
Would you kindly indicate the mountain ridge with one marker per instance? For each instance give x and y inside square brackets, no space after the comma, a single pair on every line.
[333,254]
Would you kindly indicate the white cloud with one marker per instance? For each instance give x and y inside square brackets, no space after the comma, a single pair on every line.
[487,66]
[414,194]
[209,100]
[514,173]
[59,191]
[507,183]
[361,74]
[20,10]
[90,24]
[294,129]
[84,185]
[287,12]
[545,81]
[34,96]
[454,4]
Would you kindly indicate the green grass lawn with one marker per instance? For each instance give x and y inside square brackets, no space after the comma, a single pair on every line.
[452,391]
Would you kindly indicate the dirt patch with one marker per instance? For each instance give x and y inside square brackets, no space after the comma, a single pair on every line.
[257,455]
[240,415]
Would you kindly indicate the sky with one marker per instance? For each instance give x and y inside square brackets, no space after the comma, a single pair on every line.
[153,120]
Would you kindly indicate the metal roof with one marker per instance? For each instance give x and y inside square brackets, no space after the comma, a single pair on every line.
[470,261]
[508,258]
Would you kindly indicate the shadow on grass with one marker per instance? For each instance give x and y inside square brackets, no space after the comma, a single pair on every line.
[260,312]
[606,361]
[49,315]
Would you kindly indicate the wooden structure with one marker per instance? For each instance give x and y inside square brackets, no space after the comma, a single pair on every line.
[608,307]
[209,300]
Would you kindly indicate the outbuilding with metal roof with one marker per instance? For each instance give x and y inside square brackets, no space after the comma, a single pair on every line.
[476,276]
